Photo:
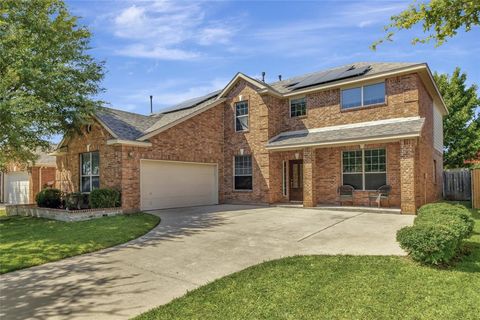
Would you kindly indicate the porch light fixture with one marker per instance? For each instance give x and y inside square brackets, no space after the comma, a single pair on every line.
[241,152]
[297,155]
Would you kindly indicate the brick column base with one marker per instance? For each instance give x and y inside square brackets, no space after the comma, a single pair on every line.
[407,176]
[309,194]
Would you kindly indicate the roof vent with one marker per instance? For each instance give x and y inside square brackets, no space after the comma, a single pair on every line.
[263,76]
[151,104]
[279,77]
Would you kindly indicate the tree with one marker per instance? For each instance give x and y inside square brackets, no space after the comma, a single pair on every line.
[461,127]
[47,80]
[440,18]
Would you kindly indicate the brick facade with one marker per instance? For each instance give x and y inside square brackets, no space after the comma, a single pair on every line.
[210,137]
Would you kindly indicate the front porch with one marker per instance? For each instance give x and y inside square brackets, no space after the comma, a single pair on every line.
[311,176]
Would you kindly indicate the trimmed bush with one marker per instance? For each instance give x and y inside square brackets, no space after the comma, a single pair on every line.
[76,201]
[437,233]
[429,243]
[49,198]
[427,211]
[104,198]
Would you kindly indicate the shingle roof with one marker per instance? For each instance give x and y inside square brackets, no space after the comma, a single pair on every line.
[126,125]
[43,157]
[132,126]
[363,131]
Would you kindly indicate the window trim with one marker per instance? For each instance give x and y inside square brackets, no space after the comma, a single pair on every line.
[290,106]
[90,175]
[363,166]
[234,173]
[235,115]
[362,105]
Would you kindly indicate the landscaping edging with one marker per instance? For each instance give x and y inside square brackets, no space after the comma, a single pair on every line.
[31,210]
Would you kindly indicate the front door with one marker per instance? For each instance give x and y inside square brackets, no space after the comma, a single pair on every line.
[296,180]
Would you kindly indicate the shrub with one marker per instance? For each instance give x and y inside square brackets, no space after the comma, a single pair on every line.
[104,198]
[432,212]
[437,232]
[49,198]
[76,201]
[429,243]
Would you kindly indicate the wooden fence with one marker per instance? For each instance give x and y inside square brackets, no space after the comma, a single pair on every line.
[457,184]
[475,188]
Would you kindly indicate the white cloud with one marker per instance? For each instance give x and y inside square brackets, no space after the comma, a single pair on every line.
[164,29]
[157,52]
[213,35]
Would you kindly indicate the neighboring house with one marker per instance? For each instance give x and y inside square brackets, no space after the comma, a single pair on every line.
[296,140]
[20,184]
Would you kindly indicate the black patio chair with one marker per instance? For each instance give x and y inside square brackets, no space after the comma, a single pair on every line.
[382,193]
[345,193]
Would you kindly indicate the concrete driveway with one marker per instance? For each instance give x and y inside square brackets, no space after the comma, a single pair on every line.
[191,247]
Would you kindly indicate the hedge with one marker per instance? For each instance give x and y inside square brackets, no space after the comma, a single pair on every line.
[104,198]
[437,233]
[49,198]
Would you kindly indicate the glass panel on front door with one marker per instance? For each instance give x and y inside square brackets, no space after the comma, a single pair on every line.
[296,180]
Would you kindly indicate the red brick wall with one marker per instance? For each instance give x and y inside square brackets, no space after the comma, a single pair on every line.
[252,142]
[39,178]
[110,159]
[426,189]
[199,139]
[329,174]
[323,108]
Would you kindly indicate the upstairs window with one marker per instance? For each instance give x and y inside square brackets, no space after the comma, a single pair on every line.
[298,107]
[241,116]
[363,96]
[89,171]
[243,173]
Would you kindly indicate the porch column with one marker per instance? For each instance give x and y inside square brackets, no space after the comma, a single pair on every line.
[407,176]
[309,192]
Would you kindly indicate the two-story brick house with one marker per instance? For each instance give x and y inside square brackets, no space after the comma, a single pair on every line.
[296,140]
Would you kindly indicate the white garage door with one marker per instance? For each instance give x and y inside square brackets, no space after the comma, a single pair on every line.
[17,187]
[171,184]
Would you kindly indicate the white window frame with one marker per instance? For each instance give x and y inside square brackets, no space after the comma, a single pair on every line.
[242,175]
[363,167]
[290,106]
[89,175]
[242,116]
[362,105]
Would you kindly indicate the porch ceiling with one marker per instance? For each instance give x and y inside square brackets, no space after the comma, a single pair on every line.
[364,132]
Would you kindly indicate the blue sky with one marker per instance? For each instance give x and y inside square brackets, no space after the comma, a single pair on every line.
[179,50]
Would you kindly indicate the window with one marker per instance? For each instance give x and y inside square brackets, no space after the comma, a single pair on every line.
[241,116]
[365,169]
[352,169]
[284,178]
[298,107]
[363,96]
[243,173]
[89,171]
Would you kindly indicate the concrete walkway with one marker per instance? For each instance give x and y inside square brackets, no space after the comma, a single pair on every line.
[191,247]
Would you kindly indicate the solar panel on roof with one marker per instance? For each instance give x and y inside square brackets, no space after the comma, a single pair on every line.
[191,102]
[333,75]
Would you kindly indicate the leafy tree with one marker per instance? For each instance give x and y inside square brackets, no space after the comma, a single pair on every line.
[461,126]
[440,18]
[47,80]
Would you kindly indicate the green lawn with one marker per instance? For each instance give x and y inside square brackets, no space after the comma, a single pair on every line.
[339,287]
[26,241]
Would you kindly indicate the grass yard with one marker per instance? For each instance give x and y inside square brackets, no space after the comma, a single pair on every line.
[338,287]
[27,241]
